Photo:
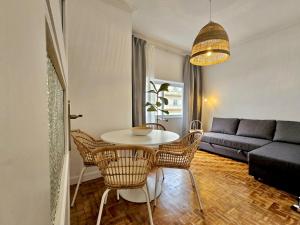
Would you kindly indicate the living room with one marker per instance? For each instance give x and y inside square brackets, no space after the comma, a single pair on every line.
[150,112]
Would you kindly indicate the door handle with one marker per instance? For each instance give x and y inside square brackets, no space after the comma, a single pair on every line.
[71,117]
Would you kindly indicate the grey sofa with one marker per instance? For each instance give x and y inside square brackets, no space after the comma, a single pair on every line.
[272,148]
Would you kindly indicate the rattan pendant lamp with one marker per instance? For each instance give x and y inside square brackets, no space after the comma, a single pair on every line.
[211,45]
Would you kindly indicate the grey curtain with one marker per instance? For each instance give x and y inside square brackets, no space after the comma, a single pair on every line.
[138,81]
[192,96]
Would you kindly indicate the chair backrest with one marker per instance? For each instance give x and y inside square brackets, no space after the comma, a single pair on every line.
[85,152]
[156,126]
[86,144]
[177,159]
[84,138]
[191,150]
[190,138]
[124,166]
[196,125]
[188,154]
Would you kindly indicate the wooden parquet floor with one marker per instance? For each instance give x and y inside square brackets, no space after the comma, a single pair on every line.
[229,194]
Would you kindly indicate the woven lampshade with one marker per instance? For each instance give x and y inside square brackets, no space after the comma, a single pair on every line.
[211,46]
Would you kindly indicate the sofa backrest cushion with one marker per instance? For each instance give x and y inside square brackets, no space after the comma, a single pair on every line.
[225,125]
[287,131]
[257,128]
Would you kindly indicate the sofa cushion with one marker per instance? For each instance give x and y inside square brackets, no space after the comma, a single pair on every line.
[225,125]
[233,141]
[277,155]
[257,128]
[287,131]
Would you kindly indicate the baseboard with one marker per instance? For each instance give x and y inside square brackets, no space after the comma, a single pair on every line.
[89,175]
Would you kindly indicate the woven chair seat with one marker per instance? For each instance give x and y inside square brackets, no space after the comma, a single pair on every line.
[124,166]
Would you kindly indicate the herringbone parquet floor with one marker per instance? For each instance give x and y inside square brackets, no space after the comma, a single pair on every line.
[229,194]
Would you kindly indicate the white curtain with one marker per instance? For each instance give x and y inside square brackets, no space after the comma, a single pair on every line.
[150,74]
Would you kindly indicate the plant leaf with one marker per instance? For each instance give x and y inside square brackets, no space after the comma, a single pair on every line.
[163,87]
[151,82]
[152,91]
[148,103]
[165,111]
[158,104]
[164,100]
[151,109]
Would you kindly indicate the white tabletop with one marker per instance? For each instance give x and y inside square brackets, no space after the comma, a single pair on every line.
[156,137]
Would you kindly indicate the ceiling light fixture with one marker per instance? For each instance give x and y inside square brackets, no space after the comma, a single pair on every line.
[211,45]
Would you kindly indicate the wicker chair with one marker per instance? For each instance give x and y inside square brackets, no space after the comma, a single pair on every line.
[179,145]
[196,125]
[124,167]
[85,145]
[156,126]
[179,155]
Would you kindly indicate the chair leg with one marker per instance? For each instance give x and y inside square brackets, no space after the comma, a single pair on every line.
[196,188]
[118,195]
[146,191]
[156,183]
[105,200]
[163,174]
[192,178]
[296,206]
[77,186]
[104,196]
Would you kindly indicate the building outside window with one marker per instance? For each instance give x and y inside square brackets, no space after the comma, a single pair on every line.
[175,97]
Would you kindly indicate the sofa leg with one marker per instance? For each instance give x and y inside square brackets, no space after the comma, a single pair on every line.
[296,207]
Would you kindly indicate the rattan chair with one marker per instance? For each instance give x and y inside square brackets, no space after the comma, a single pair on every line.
[155,126]
[196,125]
[179,145]
[124,167]
[85,145]
[179,155]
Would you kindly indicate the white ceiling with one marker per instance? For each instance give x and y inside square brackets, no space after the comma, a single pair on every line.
[177,22]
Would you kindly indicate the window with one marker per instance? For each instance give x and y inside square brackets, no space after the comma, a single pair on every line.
[175,97]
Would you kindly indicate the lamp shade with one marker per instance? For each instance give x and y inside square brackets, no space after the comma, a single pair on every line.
[211,46]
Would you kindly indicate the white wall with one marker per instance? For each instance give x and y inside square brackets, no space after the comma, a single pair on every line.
[261,80]
[169,67]
[100,70]
[24,151]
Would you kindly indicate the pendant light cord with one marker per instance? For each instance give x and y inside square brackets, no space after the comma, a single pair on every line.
[210,10]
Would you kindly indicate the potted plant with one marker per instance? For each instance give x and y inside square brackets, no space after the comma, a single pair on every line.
[159,100]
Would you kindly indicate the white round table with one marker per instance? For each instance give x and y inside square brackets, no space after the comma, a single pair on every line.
[155,138]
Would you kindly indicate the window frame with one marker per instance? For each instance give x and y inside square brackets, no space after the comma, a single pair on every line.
[173,84]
